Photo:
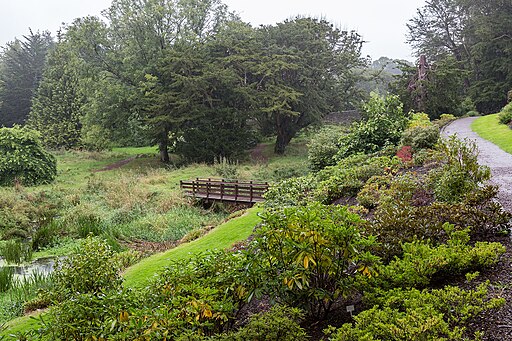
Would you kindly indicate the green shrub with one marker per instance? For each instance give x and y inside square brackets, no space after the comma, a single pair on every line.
[420,137]
[291,192]
[421,156]
[348,176]
[383,123]
[280,323]
[505,115]
[88,316]
[323,147]
[398,221]
[422,263]
[419,119]
[399,314]
[23,158]
[311,255]
[91,269]
[466,106]
[370,194]
[444,119]
[460,174]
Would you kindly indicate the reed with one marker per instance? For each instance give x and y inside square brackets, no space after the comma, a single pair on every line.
[6,278]
[16,252]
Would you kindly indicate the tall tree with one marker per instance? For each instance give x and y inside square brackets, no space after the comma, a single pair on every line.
[23,62]
[140,36]
[490,31]
[306,69]
[476,36]
[58,102]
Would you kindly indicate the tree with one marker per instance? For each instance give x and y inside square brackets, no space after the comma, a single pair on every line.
[473,38]
[131,50]
[57,106]
[438,29]
[490,31]
[221,128]
[23,62]
[305,70]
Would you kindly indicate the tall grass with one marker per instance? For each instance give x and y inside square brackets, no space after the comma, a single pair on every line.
[20,291]
[17,252]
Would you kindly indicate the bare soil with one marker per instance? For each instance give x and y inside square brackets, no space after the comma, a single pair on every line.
[117,164]
[257,154]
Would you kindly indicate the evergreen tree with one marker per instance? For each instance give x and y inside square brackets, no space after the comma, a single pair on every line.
[58,102]
[23,62]
[306,69]
[471,41]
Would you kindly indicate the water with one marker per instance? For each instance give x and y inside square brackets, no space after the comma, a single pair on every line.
[42,266]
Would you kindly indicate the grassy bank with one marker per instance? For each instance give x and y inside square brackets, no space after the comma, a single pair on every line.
[489,128]
[221,237]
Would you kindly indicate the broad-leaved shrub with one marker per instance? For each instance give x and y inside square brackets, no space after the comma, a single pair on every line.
[23,158]
[460,173]
[505,115]
[421,263]
[92,269]
[312,255]
[323,147]
[383,123]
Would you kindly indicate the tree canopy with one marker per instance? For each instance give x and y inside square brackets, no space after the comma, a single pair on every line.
[469,41]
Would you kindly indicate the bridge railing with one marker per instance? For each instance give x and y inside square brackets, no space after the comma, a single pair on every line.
[225,190]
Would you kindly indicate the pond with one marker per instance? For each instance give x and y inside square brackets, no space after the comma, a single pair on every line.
[41,266]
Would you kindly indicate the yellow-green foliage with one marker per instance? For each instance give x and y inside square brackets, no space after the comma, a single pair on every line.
[419,119]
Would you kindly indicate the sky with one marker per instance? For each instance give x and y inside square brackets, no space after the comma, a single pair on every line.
[382,23]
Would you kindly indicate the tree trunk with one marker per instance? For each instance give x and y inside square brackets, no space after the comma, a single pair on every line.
[285,133]
[163,145]
[283,139]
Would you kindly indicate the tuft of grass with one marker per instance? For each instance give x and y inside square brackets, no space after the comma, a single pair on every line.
[223,236]
[489,128]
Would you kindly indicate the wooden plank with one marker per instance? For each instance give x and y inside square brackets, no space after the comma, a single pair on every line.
[223,190]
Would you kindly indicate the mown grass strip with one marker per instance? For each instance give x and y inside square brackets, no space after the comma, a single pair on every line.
[223,236]
[489,128]
[22,325]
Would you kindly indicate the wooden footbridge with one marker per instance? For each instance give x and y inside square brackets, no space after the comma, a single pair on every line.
[247,192]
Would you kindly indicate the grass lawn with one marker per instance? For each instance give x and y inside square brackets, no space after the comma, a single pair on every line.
[223,236]
[489,128]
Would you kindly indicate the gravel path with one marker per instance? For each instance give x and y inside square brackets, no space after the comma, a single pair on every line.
[497,326]
[490,155]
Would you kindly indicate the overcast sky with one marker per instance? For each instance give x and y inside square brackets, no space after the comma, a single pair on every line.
[380,22]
